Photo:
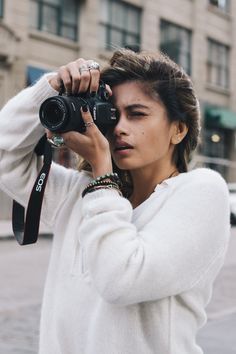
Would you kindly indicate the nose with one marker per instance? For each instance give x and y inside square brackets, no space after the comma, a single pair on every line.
[121,128]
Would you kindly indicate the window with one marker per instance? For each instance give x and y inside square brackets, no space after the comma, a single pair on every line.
[214,144]
[221,4]
[218,64]
[1,8]
[176,43]
[33,74]
[120,24]
[59,17]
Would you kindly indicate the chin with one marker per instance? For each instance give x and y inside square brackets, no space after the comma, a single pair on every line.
[127,165]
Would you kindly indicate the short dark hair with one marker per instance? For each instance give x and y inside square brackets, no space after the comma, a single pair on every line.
[168,82]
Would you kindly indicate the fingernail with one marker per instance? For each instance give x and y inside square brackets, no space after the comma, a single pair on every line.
[93,93]
[85,108]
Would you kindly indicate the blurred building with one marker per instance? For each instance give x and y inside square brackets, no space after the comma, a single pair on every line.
[37,36]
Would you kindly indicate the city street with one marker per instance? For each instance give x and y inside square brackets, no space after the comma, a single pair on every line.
[22,275]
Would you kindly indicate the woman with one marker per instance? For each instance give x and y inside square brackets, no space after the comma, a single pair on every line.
[132,267]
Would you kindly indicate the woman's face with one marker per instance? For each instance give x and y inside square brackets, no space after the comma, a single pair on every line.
[142,136]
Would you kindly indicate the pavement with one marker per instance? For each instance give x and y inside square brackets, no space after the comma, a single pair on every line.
[22,276]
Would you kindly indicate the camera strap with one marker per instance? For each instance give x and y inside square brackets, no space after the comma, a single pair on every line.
[26,229]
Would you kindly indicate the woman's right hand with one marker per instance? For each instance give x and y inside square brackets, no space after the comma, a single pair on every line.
[77,77]
[83,76]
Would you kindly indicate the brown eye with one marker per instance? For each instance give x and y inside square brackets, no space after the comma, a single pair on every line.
[137,114]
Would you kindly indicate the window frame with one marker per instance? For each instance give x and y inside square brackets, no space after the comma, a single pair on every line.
[109,26]
[225,8]
[186,53]
[1,9]
[219,66]
[60,24]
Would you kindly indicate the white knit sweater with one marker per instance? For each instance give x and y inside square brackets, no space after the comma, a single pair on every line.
[120,281]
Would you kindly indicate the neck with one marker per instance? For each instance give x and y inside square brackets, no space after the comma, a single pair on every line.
[145,181]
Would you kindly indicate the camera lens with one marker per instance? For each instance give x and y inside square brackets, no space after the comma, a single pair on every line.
[53,114]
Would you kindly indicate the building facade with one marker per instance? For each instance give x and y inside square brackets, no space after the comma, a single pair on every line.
[38,36]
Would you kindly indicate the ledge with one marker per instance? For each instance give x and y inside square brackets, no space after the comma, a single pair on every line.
[218,89]
[215,10]
[9,30]
[53,39]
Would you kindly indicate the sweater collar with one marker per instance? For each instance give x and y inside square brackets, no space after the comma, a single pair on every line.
[168,182]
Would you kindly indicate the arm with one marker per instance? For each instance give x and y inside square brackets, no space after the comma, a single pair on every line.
[169,255]
[20,130]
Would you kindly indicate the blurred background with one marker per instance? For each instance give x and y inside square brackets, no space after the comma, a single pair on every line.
[38,36]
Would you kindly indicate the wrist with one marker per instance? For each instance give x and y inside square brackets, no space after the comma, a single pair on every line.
[107,181]
[101,170]
[55,82]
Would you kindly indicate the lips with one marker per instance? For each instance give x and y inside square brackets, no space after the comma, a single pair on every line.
[122,145]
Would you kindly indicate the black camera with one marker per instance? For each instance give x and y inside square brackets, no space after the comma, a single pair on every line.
[62,113]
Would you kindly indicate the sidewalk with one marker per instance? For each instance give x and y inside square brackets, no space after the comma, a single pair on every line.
[22,277]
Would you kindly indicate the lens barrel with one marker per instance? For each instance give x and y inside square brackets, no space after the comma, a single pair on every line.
[53,113]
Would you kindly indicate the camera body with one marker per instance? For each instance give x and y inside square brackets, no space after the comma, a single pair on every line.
[62,113]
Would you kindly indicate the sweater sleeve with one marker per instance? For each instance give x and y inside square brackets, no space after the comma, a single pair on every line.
[20,130]
[169,255]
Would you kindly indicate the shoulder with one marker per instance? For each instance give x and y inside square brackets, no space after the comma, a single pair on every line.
[201,183]
[202,195]
[204,187]
[205,177]
[202,177]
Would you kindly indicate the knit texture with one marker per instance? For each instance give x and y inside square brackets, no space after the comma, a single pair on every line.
[120,281]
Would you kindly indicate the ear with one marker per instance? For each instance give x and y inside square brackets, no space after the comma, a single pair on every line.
[180,130]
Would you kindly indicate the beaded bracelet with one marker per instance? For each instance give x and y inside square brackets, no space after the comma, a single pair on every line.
[100,184]
[108,176]
[95,188]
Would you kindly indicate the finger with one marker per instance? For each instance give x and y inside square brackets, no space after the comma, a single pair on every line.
[84,80]
[94,83]
[55,81]
[95,76]
[88,119]
[108,89]
[49,134]
[84,75]
[66,78]
[75,76]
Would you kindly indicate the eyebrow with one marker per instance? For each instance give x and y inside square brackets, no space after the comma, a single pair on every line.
[136,106]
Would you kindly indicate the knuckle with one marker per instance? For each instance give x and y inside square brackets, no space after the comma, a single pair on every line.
[71,66]
[85,76]
[62,69]
[67,81]
[79,61]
